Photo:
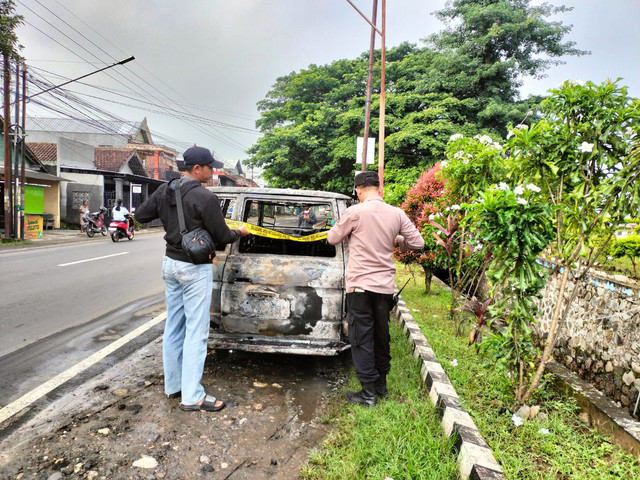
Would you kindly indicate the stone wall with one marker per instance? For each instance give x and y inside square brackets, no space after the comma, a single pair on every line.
[600,339]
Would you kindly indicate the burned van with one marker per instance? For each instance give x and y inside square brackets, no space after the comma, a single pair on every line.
[280,289]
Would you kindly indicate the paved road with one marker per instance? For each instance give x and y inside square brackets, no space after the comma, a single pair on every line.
[61,303]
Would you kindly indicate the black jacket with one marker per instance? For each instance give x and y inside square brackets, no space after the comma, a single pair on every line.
[201,209]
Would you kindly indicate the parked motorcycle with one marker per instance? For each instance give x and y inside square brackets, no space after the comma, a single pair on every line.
[119,229]
[95,223]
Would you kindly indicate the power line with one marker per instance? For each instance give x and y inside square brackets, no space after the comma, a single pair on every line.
[188,116]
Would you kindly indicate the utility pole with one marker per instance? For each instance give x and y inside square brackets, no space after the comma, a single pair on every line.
[382,89]
[7,147]
[15,199]
[383,59]
[22,145]
[367,105]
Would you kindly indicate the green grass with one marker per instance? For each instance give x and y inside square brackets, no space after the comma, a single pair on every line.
[400,438]
[569,451]
[10,242]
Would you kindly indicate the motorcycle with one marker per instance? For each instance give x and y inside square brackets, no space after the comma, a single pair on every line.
[95,223]
[121,229]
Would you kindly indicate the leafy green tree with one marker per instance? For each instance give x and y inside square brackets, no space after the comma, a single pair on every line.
[585,156]
[627,247]
[467,82]
[9,44]
[517,228]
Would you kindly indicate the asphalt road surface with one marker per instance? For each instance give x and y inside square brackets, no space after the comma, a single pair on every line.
[60,304]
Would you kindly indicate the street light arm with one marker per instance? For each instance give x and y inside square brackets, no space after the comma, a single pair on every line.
[365,17]
[121,62]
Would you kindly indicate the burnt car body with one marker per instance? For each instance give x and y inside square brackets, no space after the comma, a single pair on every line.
[277,291]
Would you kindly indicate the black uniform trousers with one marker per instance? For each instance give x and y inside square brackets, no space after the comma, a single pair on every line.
[368,319]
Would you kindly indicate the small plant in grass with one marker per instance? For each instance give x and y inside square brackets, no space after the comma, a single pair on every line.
[517,228]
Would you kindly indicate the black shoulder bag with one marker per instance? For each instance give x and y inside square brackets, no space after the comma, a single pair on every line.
[197,243]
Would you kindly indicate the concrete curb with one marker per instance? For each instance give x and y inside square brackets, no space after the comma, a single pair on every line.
[604,415]
[475,458]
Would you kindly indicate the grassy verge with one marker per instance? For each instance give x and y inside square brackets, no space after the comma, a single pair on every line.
[400,438]
[10,242]
[568,451]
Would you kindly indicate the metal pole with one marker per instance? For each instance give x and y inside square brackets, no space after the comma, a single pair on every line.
[7,146]
[382,102]
[15,178]
[367,105]
[22,145]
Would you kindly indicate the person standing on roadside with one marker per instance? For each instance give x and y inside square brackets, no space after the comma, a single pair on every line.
[373,229]
[307,218]
[84,211]
[188,287]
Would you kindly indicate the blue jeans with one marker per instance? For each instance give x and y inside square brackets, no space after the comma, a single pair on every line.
[184,346]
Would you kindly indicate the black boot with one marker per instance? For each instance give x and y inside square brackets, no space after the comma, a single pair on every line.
[366,396]
[381,387]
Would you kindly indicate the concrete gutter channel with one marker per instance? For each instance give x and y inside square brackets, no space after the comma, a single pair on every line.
[475,459]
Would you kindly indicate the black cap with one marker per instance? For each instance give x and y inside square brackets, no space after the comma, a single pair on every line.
[200,156]
[367,179]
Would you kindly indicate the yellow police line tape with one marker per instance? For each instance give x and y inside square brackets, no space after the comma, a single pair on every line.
[266,232]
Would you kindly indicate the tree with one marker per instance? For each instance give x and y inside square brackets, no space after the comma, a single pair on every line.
[585,156]
[423,201]
[627,247]
[467,82]
[9,45]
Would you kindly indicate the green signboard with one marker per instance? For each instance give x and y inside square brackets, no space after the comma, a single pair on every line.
[33,199]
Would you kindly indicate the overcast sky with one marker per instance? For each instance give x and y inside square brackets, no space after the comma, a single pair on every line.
[215,59]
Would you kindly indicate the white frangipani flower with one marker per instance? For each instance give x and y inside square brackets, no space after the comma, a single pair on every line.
[486,139]
[496,145]
[455,136]
[533,188]
[519,190]
[586,147]
[503,186]
[517,421]
[521,201]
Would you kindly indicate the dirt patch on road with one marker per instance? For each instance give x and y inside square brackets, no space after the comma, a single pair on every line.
[121,426]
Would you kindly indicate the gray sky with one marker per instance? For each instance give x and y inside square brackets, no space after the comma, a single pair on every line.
[216,59]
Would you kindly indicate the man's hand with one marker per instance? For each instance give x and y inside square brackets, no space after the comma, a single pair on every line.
[243,231]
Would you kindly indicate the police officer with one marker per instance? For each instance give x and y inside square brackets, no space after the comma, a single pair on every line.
[373,229]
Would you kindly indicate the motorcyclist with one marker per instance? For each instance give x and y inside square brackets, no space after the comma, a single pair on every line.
[121,214]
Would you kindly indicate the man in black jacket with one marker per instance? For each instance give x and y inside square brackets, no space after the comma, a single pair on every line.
[188,287]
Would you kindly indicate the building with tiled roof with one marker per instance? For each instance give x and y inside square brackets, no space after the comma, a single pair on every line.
[119,160]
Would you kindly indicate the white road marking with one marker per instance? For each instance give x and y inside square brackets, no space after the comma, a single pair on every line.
[27,399]
[92,259]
